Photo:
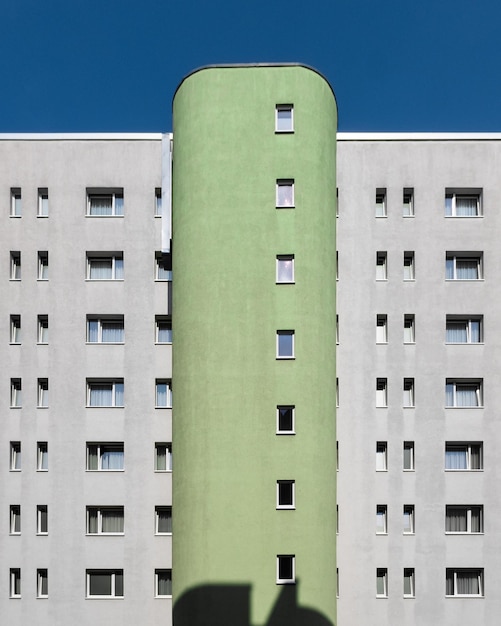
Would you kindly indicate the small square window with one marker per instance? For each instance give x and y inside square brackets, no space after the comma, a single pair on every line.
[460,329]
[380,202]
[105,393]
[463,393]
[463,266]
[381,328]
[285,194]
[284,118]
[163,329]
[105,202]
[15,393]
[163,394]
[464,456]
[381,456]
[105,583]
[15,329]
[286,569]
[408,519]
[15,202]
[43,265]
[408,395]
[408,456]
[163,583]
[15,456]
[409,588]
[105,520]
[15,582]
[381,392]
[105,329]
[381,266]
[43,202]
[463,202]
[409,266]
[105,266]
[163,266]
[285,344]
[43,393]
[105,457]
[158,202]
[15,265]
[286,494]
[42,519]
[285,420]
[382,582]
[43,329]
[42,456]
[285,268]
[464,582]
[42,583]
[163,520]
[381,515]
[163,457]
[408,202]
[409,333]
[15,519]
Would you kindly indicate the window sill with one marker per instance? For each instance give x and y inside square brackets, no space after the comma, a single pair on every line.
[409,597]
[104,470]
[163,407]
[381,280]
[408,407]
[409,470]
[463,217]
[285,432]
[105,216]
[286,206]
[382,534]
[284,132]
[382,407]
[464,343]
[408,216]
[381,217]
[409,343]
[104,343]
[16,217]
[42,470]
[16,407]
[163,343]
[42,534]
[285,282]
[285,508]
[43,217]
[285,358]
[448,532]
[104,280]
[15,470]
[382,597]
[381,343]
[464,280]
[462,470]
[14,534]
[464,407]
[286,582]
[42,280]
[381,470]
[409,280]
[14,597]
[104,597]
[163,534]
[42,407]
[42,343]
[162,280]
[166,471]
[409,534]
[15,280]
[469,595]
[104,406]
[104,534]
[42,597]
[163,597]
[15,343]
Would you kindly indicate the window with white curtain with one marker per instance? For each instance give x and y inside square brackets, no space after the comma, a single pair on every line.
[105,329]
[408,519]
[15,329]
[461,329]
[15,582]
[15,202]
[408,202]
[163,583]
[463,266]
[286,494]
[105,457]
[105,520]
[380,202]
[463,393]
[408,456]
[42,583]
[286,569]
[43,329]
[163,394]
[285,268]
[285,194]
[381,392]
[43,265]
[381,519]
[382,582]
[381,456]
[103,392]
[163,457]
[464,582]
[464,518]
[163,329]
[42,456]
[42,519]
[381,328]
[103,583]
[43,202]
[15,393]
[463,203]
[163,520]
[15,456]
[105,203]
[409,586]
[43,393]
[409,266]
[381,266]
[464,456]
[15,519]
[284,118]
[105,266]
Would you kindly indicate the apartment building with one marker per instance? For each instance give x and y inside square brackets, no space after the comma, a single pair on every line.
[266,367]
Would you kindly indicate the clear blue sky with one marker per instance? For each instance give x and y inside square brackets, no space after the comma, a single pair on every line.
[113,65]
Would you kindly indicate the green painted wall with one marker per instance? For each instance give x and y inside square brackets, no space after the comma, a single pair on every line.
[226,311]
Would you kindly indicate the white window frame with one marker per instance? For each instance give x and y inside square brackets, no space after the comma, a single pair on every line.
[101,449]
[409,573]
[161,382]
[43,265]
[382,456]
[116,269]
[409,513]
[286,333]
[468,510]
[42,581]
[15,582]
[380,203]
[43,202]
[381,265]
[158,573]
[15,265]
[466,447]
[466,322]
[382,575]
[158,511]
[292,409]
[116,198]
[159,321]
[41,509]
[43,393]
[113,385]
[409,266]
[289,202]
[15,329]
[291,559]
[287,128]
[16,207]
[408,202]
[43,329]
[381,519]
[113,574]
[479,574]
[98,510]
[475,384]
[408,400]
[102,322]
[381,393]
[16,393]
[42,456]
[166,448]
[381,328]
[280,495]
[163,273]
[453,196]
[282,268]
[453,258]
[15,519]
[409,445]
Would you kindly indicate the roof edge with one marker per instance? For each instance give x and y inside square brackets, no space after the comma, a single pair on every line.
[418,136]
[82,136]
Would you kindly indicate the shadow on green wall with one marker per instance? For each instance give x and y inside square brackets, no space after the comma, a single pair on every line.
[229,605]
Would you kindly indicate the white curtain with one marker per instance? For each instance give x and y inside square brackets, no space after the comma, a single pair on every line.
[112,332]
[466,269]
[164,583]
[456,459]
[101,395]
[101,269]
[112,520]
[101,205]
[466,207]
[456,520]
[112,459]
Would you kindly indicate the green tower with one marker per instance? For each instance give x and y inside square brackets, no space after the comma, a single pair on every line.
[254,214]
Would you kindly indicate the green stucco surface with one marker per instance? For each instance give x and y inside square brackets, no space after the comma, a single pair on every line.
[226,311]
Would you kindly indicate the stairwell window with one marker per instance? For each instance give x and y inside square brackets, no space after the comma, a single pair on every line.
[285,193]
[284,118]
[286,490]
[286,569]
[285,344]
[285,268]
